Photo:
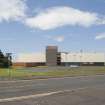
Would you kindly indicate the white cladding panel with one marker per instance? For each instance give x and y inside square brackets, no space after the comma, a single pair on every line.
[34,57]
[83,57]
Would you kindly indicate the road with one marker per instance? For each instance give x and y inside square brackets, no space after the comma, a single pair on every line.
[56,91]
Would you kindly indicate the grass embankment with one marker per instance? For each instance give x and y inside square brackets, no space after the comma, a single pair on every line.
[25,73]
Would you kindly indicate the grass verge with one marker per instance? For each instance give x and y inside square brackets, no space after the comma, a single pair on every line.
[23,73]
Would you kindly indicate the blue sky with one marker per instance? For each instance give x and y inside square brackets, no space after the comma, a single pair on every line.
[27,26]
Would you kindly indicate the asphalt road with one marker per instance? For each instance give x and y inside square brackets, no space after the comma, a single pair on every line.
[59,91]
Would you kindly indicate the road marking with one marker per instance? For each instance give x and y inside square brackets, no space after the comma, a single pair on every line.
[16,87]
[16,81]
[28,97]
[11,87]
[38,95]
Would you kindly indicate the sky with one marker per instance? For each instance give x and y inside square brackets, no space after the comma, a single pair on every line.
[28,26]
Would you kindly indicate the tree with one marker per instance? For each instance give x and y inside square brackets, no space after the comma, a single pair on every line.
[5,61]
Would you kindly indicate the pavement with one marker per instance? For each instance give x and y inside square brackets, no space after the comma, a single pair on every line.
[88,90]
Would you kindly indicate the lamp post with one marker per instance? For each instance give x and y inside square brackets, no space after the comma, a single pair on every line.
[9,57]
[104,59]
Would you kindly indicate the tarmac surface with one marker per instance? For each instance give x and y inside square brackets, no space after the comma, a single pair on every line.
[88,90]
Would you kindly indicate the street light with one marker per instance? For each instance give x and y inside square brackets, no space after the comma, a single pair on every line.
[9,57]
[104,59]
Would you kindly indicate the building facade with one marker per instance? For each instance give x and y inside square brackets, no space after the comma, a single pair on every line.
[52,57]
[83,59]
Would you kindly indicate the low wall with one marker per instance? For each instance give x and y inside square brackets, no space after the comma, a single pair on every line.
[28,64]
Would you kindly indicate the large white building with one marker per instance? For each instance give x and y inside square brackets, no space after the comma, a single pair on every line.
[65,57]
[79,58]
[82,57]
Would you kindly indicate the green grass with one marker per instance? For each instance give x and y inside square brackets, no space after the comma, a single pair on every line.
[24,73]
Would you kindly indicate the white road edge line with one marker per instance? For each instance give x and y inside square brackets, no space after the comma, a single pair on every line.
[37,95]
[28,97]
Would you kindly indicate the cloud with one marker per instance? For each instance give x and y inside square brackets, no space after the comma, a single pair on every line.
[51,18]
[100,36]
[60,16]
[12,10]
[101,21]
[59,38]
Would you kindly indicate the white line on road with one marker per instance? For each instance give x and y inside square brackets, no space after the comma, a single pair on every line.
[27,97]
[37,95]
[16,87]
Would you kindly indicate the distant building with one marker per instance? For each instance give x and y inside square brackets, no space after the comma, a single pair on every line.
[52,57]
